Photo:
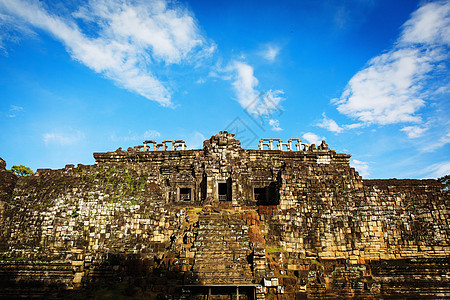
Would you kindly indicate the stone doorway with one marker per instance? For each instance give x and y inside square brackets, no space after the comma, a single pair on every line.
[224,190]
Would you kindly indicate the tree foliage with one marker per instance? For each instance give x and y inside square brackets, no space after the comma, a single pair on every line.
[22,170]
[445,181]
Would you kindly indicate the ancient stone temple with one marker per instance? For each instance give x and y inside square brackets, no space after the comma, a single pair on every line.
[287,221]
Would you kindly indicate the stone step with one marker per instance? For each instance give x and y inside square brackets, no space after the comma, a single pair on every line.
[226,225]
[223,245]
[231,239]
[234,280]
[218,257]
[218,254]
[205,243]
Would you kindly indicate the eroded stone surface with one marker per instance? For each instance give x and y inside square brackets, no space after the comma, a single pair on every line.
[285,224]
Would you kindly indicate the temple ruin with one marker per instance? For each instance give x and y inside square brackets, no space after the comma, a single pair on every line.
[289,220]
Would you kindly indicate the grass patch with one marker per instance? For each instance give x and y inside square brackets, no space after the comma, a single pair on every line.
[273,249]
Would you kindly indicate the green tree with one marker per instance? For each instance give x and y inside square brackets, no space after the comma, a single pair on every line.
[21,170]
[445,181]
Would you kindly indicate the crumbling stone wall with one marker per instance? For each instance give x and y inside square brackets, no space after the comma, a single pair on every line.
[284,223]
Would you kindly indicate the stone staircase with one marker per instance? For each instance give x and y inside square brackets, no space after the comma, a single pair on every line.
[426,278]
[35,279]
[223,248]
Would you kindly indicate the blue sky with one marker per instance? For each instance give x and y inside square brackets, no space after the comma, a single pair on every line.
[370,77]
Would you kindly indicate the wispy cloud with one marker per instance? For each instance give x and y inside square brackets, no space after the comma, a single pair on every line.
[270,52]
[437,143]
[11,29]
[63,138]
[428,25]
[244,84]
[195,140]
[313,138]
[275,124]
[391,88]
[125,41]
[387,91]
[133,136]
[13,110]
[414,131]
[329,124]
[360,166]
[353,126]
[438,170]
[248,95]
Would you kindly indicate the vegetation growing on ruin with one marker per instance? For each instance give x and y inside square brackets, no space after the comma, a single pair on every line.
[445,182]
[22,170]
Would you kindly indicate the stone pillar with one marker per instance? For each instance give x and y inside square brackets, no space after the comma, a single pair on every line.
[146,147]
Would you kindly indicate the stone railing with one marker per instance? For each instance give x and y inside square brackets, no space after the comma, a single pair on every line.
[153,146]
[291,145]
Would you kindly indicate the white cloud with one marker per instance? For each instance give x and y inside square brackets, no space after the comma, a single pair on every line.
[330,124]
[269,103]
[438,170]
[430,24]
[275,124]
[270,52]
[63,138]
[391,88]
[387,91]
[249,97]
[13,110]
[313,138]
[133,136]
[200,81]
[195,141]
[126,40]
[245,85]
[150,134]
[414,131]
[438,143]
[353,126]
[360,166]
[10,30]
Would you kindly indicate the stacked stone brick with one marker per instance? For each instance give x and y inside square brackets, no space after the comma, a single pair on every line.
[278,224]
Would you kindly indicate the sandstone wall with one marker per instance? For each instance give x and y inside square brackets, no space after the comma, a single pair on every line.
[327,233]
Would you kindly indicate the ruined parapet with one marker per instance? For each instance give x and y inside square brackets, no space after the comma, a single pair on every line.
[167,145]
[147,147]
[222,140]
[320,154]
[229,148]
[293,144]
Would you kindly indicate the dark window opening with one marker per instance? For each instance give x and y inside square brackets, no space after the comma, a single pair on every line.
[185,194]
[223,191]
[260,194]
[203,186]
[267,195]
